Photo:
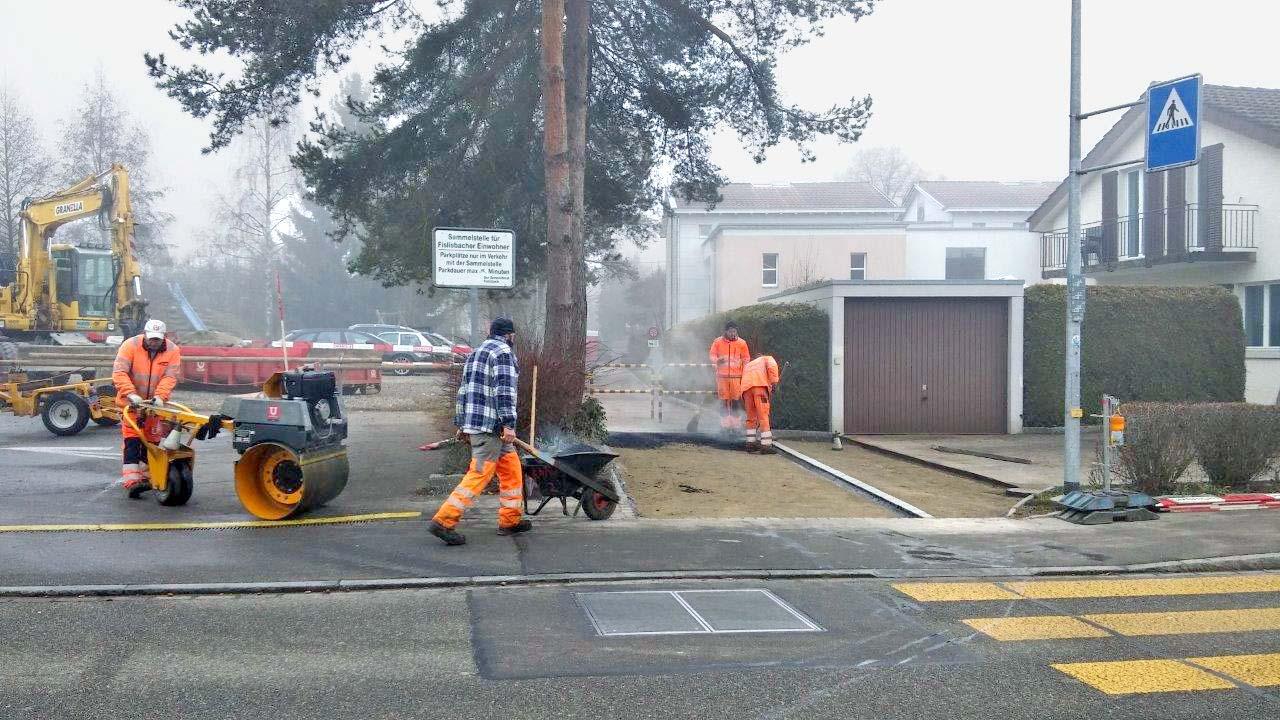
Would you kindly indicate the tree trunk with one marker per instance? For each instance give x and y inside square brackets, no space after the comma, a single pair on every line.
[565,325]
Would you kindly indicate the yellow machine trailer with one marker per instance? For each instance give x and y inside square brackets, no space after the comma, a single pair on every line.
[64,407]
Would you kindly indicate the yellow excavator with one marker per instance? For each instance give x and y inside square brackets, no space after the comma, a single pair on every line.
[61,288]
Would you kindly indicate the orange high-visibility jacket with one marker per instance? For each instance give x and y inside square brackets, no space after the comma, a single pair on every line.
[135,371]
[734,353]
[761,372]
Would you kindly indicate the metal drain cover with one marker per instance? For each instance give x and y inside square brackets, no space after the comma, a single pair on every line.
[685,612]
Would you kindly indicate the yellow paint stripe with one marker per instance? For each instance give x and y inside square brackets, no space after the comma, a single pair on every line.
[232,524]
[1255,670]
[1190,622]
[1044,627]
[1208,585]
[1128,677]
[954,592]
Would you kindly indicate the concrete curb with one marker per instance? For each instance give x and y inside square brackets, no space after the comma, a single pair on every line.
[943,467]
[1232,563]
[897,504]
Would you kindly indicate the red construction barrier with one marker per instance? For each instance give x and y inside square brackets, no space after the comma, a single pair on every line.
[237,373]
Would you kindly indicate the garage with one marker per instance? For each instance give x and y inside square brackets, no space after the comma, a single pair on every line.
[928,357]
[925,365]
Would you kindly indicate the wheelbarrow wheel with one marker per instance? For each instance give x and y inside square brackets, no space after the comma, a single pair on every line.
[180,486]
[596,505]
[65,414]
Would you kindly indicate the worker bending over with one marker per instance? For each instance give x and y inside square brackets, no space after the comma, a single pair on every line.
[729,355]
[759,379]
[146,369]
[486,417]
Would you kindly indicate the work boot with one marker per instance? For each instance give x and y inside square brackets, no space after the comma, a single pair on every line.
[767,450]
[448,535]
[521,527]
[753,447]
[135,490]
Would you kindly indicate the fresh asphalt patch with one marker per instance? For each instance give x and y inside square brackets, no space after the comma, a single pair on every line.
[556,632]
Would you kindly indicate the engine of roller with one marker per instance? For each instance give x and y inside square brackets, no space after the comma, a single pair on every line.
[290,441]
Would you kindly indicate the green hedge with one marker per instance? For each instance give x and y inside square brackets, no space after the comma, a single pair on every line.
[791,332]
[1140,343]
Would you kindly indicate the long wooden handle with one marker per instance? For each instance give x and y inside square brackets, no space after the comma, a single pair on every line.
[533,408]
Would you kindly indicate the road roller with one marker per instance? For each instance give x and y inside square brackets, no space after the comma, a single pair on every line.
[290,441]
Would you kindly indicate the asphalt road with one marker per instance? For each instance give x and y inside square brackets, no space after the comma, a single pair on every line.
[880,651]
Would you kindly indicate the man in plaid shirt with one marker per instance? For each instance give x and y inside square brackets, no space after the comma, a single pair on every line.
[485,414]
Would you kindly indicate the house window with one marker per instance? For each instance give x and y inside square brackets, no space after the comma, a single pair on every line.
[1274,324]
[1254,315]
[770,266]
[704,230]
[966,263]
[857,266]
[920,213]
[1134,178]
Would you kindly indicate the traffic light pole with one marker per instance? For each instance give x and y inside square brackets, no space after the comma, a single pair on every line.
[1075,276]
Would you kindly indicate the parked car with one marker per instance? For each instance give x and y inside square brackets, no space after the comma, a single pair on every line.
[340,339]
[379,328]
[411,346]
[459,349]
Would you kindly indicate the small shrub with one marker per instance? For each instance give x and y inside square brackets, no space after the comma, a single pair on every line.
[1236,442]
[1157,446]
[590,424]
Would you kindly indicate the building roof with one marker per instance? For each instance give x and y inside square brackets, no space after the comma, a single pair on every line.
[985,194]
[1252,112]
[796,197]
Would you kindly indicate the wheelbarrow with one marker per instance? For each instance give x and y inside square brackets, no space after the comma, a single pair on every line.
[572,473]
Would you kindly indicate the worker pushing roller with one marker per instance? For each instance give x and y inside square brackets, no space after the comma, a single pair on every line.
[729,355]
[145,370]
[759,379]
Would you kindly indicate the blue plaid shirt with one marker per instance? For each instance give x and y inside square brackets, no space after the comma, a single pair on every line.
[487,396]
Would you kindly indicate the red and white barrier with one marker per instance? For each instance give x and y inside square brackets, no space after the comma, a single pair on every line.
[1215,503]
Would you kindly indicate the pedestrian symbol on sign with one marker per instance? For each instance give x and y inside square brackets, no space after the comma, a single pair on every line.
[1174,116]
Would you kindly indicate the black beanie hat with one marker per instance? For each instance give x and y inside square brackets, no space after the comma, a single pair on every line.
[501,326]
[730,324]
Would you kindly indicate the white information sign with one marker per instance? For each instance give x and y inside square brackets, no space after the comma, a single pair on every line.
[469,257]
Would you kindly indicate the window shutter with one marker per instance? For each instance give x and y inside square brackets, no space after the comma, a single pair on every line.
[1110,210]
[1153,218]
[1209,222]
[1176,213]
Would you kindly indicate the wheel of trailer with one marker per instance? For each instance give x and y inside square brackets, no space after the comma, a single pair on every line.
[65,413]
[596,505]
[181,484]
[403,365]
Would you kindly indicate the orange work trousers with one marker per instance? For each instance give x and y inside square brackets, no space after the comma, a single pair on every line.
[757,401]
[729,389]
[489,456]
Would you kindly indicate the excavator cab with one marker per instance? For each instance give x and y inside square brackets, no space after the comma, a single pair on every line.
[85,277]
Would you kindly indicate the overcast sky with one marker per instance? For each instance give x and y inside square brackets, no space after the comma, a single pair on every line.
[971,89]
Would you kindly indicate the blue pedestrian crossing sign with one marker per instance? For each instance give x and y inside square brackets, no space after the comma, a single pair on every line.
[1173,124]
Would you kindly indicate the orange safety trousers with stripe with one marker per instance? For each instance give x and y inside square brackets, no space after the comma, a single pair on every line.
[489,456]
[757,401]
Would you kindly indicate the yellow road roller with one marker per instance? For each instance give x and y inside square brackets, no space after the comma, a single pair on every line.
[290,440]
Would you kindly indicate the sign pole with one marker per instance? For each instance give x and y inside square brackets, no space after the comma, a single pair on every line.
[475,317]
[1075,277]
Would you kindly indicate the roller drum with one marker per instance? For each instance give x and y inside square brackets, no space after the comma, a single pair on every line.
[275,482]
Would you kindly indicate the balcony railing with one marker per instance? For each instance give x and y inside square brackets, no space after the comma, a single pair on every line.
[1176,234]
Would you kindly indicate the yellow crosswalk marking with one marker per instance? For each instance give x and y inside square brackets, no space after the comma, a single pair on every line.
[1128,677]
[1190,622]
[954,592]
[1045,627]
[1147,587]
[1255,670]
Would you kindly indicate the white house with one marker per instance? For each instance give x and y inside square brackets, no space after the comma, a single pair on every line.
[764,239]
[1216,223]
[760,239]
[972,230]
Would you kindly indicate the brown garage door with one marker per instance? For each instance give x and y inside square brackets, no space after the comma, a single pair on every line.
[926,365]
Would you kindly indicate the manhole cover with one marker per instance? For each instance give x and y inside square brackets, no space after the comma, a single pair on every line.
[683,612]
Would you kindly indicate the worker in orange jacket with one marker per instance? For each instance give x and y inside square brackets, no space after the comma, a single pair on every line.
[729,355]
[146,370]
[759,378]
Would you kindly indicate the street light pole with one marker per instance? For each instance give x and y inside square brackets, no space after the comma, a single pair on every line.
[1075,276]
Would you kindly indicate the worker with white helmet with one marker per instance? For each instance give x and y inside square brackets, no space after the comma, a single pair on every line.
[146,370]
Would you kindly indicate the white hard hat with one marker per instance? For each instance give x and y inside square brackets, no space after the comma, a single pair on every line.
[155,329]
